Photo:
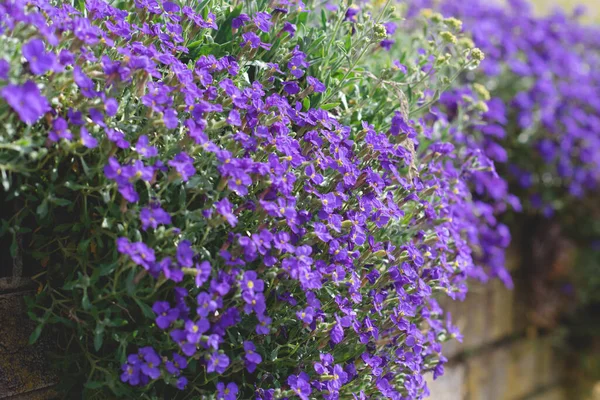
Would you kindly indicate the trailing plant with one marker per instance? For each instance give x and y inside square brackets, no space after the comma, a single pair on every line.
[235,200]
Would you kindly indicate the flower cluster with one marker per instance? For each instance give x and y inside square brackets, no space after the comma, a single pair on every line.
[542,118]
[229,231]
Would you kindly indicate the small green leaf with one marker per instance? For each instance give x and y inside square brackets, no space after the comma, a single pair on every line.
[85,300]
[329,106]
[93,385]
[61,202]
[98,336]
[306,103]
[36,334]
[42,209]
[148,313]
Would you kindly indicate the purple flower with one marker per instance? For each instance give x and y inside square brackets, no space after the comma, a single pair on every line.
[254,302]
[262,328]
[399,125]
[203,273]
[117,137]
[251,282]
[181,382]
[234,118]
[228,392]
[291,87]
[317,85]
[86,85]
[239,181]
[113,170]
[131,374]
[253,40]
[340,377]
[111,106]
[60,130]
[142,254]
[194,330]
[26,100]
[151,362]
[289,28]
[225,208]
[263,21]
[165,315]
[240,21]
[152,217]
[206,304]
[217,363]
[144,148]
[306,315]
[300,385]
[184,165]
[252,357]
[39,60]
[185,254]
[141,171]
[87,139]
[297,63]
[170,118]
[4,69]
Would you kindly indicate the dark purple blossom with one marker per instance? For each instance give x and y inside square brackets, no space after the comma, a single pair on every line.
[39,60]
[165,315]
[26,100]
[217,363]
[300,385]
[229,392]
[184,165]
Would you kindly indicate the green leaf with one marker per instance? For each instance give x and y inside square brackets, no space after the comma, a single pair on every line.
[302,17]
[225,33]
[85,300]
[98,336]
[42,209]
[61,202]
[329,106]
[36,334]
[83,246]
[93,385]
[306,104]
[274,353]
[148,313]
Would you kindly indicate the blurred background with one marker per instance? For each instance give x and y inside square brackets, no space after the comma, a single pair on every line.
[541,340]
[592,13]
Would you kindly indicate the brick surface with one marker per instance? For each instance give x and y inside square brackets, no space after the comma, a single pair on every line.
[23,372]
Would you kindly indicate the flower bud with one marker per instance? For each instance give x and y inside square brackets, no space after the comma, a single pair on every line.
[448,37]
[379,32]
[481,91]
[481,106]
[477,54]
[453,23]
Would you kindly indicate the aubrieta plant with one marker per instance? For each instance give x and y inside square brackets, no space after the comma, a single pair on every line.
[238,200]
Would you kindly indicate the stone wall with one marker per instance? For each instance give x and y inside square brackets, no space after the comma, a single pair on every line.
[24,372]
[501,357]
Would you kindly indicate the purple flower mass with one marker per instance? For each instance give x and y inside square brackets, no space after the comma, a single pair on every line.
[239,217]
